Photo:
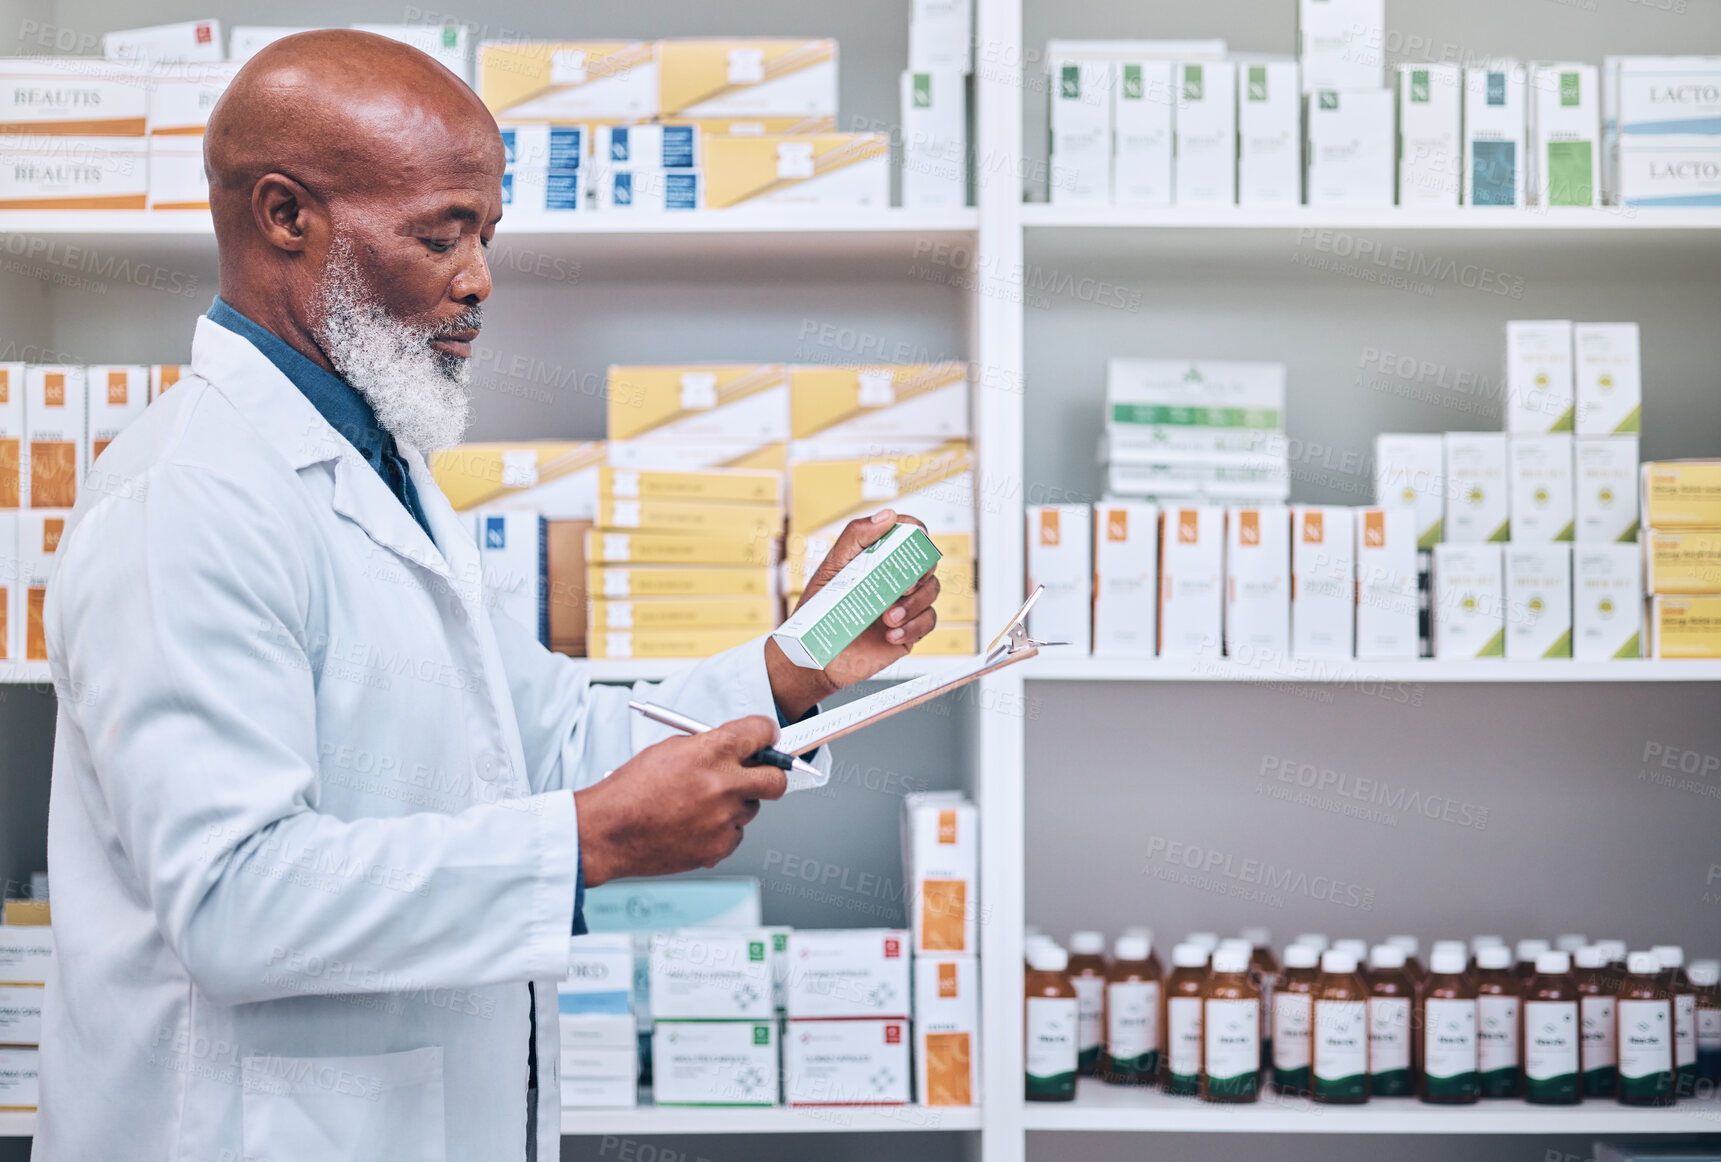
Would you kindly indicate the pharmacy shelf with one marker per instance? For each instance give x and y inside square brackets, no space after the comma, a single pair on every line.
[1100,1108]
[24,673]
[1053,666]
[17,1125]
[654,1120]
[1530,218]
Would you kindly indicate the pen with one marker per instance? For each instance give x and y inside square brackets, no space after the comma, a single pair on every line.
[768,756]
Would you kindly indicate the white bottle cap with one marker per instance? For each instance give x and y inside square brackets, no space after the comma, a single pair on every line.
[1132,946]
[1591,957]
[1571,942]
[1302,956]
[1457,945]
[1338,960]
[1493,956]
[1613,949]
[1704,973]
[1386,956]
[1048,958]
[1553,963]
[1528,950]
[1316,939]
[1237,942]
[1447,961]
[1642,964]
[1088,943]
[1231,960]
[1357,948]
[1208,940]
[1409,943]
[1477,943]
[1670,955]
[1189,956]
[1257,937]
[1138,930]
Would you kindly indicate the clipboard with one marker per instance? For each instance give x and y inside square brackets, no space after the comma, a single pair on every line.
[1011,646]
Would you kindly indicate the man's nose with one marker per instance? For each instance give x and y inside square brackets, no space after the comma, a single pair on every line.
[472,283]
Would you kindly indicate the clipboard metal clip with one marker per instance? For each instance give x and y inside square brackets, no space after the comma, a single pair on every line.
[1015,637]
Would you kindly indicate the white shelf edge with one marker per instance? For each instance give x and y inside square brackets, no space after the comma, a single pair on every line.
[17,1125]
[1082,668]
[655,1120]
[24,674]
[1605,218]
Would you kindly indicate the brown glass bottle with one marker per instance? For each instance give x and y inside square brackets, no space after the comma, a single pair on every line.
[1499,999]
[1132,1013]
[1551,1032]
[1684,994]
[1643,1015]
[1338,1033]
[1413,966]
[1050,1025]
[1597,985]
[1264,970]
[1528,951]
[1391,1014]
[1231,1031]
[1181,1019]
[1447,1027]
[1292,1016]
[1088,978]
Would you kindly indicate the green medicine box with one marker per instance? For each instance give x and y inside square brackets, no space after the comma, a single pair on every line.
[856,597]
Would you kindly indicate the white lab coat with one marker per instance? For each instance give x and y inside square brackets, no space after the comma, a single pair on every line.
[312,822]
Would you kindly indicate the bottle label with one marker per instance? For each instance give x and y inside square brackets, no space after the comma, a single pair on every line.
[1685,1031]
[1389,1046]
[1708,1030]
[1051,1047]
[1497,1045]
[1232,1029]
[1183,1044]
[1132,1027]
[1449,1047]
[1291,1040]
[1645,1048]
[1551,1037]
[1341,1049]
[1599,1055]
[1090,1019]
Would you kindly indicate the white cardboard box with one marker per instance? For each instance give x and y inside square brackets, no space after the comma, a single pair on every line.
[1664,150]
[1539,395]
[20,1014]
[846,1063]
[941,857]
[1060,557]
[1468,605]
[1565,127]
[1430,138]
[1257,582]
[55,434]
[1341,43]
[1607,602]
[934,138]
[599,1031]
[1496,129]
[1269,134]
[1126,578]
[714,1063]
[446,44]
[1605,482]
[39,171]
[1081,128]
[247,40]
[18,1086]
[1351,147]
[1608,379]
[848,973]
[1541,488]
[1205,128]
[947,1030]
[940,35]
[600,976]
[26,953]
[191,40]
[176,177]
[1538,601]
[516,583]
[714,974]
[1477,498]
[182,96]
[1410,473]
[1191,581]
[117,396]
[1386,610]
[1323,581]
[599,1093]
[53,98]
[1143,101]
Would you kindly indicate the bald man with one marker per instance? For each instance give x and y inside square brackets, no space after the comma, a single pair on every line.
[321,822]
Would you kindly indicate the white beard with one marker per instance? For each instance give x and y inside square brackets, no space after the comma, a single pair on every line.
[421,396]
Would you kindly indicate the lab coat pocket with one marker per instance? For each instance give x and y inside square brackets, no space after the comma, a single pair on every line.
[384,1108]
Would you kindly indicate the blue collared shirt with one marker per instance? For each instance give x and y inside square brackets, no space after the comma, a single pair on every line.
[347,412]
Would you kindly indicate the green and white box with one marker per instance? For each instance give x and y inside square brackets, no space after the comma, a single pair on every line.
[1607,602]
[1081,127]
[1269,134]
[1496,132]
[847,1063]
[711,974]
[1605,477]
[1541,488]
[848,973]
[1158,406]
[714,1063]
[1257,582]
[1410,473]
[856,597]
[1539,393]
[1469,606]
[1142,103]
[1351,147]
[1608,379]
[1341,43]
[1538,601]
[1565,127]
[1387,607]
[1323,581]
[1430,140]
[1477,502]
[934,139]
[1205,125]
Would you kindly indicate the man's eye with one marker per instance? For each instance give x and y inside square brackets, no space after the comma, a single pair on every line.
[442,245]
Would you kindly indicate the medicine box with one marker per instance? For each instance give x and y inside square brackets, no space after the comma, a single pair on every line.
[608,1032]
[54,419]
[600,976]
[1323,581]
[727,486]
[651,191]
[1060,557]
[1155,407]
[885,401]
[245,41]
[73,99]
[947,1030]
[1142,102]
[20,1014]
[851,170]
[1608,379]
[1664,148]
[673,582]
[1565,128]
[1410,473]
[556,478]
[714,1063]
[39,533]
[1607,602]
[18,1080]
[1340,43]
[1386,589]
[831,619]
[598,1093]
[711,974]
[1081,129]
[1269,134]
[758,613]
[539,80]
[699,402]
[608,547]
[1684,627]
[1126,578]
[176,177]
[669,643]
[1496,128]
[11,435]
[1205,127]
[1541,488]
[1605,480]
[861,972]
[1191,581]
[117,396]
[11,596]
[1477,500]
[1538,601]
[846,1063]
[1682,561]
[941,844]
[164,375]
[1682,494]
[935,138]
[161,45]
[747,77]
[656,905]
[646,146]
[1430,141]
[1257,582]
[1468,603]
[698,518]
[182,95]
[940,33]
[1351,147]
[516,584]
[445,43]
[41,172]
[26,953]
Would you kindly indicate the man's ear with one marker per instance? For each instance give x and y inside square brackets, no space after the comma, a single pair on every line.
[286,212]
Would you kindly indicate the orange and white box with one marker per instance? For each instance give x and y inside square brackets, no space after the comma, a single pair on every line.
[183,95]
[941,854]
[744,403]
[11,436]
[176,177]
[75,97]
[164,375]
[1126,578]
[54,418]
[41,172]
[39,532]
[1061,557]
[1387,611]
[117,396]
[751,77]
[1258,581]
[947,1030]
[846,1063]
[569,80]
[1323,581]
[850,170]
[882,401]
[11,599]
[1191,581]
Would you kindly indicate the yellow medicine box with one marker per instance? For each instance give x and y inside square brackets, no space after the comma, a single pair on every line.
[577,80]
[560,476]
[609,547]
[751,77]
[815,169]
[732,486]
[677,581]
[1685,627]
[718,402]
[917,400]
[1681,494]
[1682,561]
[668,643]
[698,518]
[654,613]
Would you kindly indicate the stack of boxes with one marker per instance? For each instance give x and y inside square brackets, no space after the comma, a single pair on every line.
[1195,431]
[848,999]
[941,845]
[1682,557]
[76,134]
[1565,135]
[1340,47]
[26,956]
[181,98]
[595,1013]
[935,104]
[714,1020]
[1661,113]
